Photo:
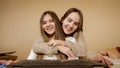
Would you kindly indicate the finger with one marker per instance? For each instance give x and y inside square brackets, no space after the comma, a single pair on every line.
[103,61]
[108,62]
[53,45]
[50,43]
[71,54]
[67,54]
[97,58]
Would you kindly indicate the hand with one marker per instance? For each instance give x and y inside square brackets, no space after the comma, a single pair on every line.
[101,59]
[55,42]
[66,51]
[11,62]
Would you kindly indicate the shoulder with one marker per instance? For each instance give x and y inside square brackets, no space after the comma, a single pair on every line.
[78,34]
[38,39]
[79,37]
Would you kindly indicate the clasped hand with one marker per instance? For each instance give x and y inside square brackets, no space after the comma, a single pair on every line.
[62,48]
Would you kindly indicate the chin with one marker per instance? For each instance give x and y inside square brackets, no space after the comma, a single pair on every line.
[67,33]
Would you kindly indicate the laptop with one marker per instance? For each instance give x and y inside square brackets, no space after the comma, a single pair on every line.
[82,63]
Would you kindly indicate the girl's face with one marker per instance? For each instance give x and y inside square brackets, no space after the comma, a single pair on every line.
[48,25]
[70,23]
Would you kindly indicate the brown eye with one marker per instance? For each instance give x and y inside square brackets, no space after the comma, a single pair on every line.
[51,20]
[43,22]
[76,23]
[69,20]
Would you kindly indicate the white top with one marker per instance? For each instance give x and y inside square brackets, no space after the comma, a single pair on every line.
[32,55]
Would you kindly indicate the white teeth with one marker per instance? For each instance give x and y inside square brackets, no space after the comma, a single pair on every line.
[49,28]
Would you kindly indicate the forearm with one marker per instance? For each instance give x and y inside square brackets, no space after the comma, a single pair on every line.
[78,49]
[43,48]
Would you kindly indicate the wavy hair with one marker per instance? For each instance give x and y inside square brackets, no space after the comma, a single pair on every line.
[59,35]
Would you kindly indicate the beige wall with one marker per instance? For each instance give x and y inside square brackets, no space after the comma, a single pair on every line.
[19,22]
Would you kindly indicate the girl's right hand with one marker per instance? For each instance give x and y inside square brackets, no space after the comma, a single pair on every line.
[55,42]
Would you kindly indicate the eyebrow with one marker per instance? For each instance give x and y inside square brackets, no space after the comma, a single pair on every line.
[72,19]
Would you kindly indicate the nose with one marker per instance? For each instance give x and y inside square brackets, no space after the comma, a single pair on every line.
[48,24]
[71,25]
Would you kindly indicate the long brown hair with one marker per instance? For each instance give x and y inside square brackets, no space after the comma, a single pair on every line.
[80,26]
[59,34]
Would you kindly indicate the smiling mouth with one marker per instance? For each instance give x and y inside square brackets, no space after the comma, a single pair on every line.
[49,28]
[68,29]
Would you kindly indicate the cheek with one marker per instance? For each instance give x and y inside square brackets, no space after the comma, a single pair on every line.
[64,24]
[75,28]
[43,27]
[53,25]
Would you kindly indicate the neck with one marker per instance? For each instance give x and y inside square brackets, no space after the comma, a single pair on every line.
[52,37]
